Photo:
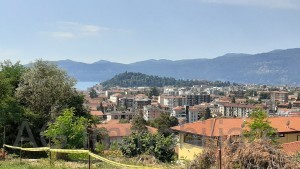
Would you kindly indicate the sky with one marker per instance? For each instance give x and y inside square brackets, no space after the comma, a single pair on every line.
[128,31]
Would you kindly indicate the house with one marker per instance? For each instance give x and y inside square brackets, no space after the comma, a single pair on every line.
[117,131]
[117,115]
[151,112]
[193,136]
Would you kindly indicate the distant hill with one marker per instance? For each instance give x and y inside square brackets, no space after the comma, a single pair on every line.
[275,67]
[131,79]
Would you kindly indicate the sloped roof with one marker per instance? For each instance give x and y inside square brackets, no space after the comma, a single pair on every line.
[121,129]
[96,113]
[233,126]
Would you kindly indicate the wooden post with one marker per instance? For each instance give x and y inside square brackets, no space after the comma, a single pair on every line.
[88,139]
[21,149]
[3,150]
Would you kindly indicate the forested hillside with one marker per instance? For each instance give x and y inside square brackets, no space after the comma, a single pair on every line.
[131,79]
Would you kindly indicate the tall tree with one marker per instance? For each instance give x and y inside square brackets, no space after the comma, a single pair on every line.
[207,114]
[93,93]
[11,112]
[164,122]
[259,127]
[44,88]
[139,123]
[153,92]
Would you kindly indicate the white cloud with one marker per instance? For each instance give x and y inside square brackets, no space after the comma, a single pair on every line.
[69,30]
[283,4]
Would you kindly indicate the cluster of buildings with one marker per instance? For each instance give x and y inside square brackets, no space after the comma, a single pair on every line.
[229,108]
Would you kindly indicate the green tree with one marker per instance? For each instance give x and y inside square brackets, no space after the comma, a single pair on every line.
[263,95]
[207,114]
[11,112]
[259,127]
[233,99]
[45,88]
[164,122]
[93,93]
[68,131]
[161,147]
[153,92]
[298,98]
[164,148]
[139,123]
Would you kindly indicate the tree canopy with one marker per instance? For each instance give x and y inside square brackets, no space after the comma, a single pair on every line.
[44,88]
[259,126]
[131,79]
[68,131]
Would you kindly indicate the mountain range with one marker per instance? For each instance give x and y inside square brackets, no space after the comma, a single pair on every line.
[275,67]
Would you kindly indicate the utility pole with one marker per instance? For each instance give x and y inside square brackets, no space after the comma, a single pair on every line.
[220,153]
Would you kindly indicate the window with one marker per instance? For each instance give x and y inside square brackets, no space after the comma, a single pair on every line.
[194,139]
[281,135]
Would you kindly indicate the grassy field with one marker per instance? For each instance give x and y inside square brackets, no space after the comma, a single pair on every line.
[44,164]
[59,164]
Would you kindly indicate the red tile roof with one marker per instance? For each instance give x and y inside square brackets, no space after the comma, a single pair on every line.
[233,126]
[121,129]
[291,148]
[96,113]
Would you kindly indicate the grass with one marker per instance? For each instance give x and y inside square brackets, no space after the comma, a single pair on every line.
[59,164]
[44,164]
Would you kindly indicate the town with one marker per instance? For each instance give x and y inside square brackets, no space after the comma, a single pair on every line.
[199,108]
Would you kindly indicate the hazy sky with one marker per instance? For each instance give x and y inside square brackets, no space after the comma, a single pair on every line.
[133,30]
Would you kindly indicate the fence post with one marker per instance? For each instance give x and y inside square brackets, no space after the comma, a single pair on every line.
[88,139]
[21,149]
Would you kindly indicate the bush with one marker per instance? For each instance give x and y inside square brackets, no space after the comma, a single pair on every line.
[157,145]
[100,148]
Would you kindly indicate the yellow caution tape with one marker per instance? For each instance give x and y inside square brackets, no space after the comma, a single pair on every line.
[75,151]
[36,149]
[69,151]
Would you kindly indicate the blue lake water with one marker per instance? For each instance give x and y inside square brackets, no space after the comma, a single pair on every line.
[85,85]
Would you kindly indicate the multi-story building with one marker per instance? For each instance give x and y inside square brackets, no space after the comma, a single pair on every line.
[173,101]
[151,112]
[186,113]
[278,97]
[238,110]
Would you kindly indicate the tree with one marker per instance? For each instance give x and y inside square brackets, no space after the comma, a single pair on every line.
[298,98]
[264,96]
[164,122]
[45,88]
[93,94]
[139,124]
[11,112]
[161,147]
[153,92]
[259,127]
[68,131]
[207,114]
[233,99]
[164,148]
